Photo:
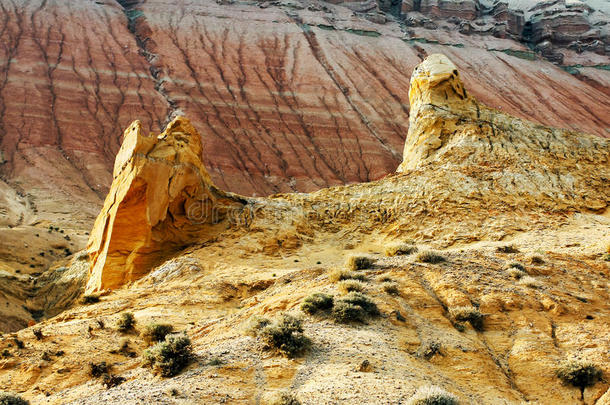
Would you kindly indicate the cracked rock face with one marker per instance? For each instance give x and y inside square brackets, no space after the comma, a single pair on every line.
[161,199]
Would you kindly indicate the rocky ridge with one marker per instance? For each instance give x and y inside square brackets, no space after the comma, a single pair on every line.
[486,188]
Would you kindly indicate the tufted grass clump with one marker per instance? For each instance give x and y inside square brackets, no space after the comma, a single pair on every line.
[255,324]
[390,287]
[347,286]
[156,332]
[280,398]
[339,275]
[468,314]
[90,299]
[111,380]
[516,273]
[430,256]
[354,307]
[169,357]
[126,322]
[98,369]
[579,374]
[432,395]
[536,259]
[285,335]
[359,262]
[507,249]
[401,249]
[8,398]
[317,302]
[516,265]
[530,281]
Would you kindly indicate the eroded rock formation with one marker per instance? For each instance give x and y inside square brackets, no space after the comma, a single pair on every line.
[161,199]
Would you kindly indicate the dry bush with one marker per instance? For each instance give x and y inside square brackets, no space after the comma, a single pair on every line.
[507,249]
[530,281]
[317,302]
[432,395]
[430,256]
[390,288]
[285,335]
[8,398]
[536,259]
[169,357]
[516,273]
[279,398]
[126,322]
[339,274]
[156,332]
[579,374]
[359,262]
[354,307]
[468,314]
[401,249]
[255,324]
[347,286]
[90,299]
[98,369]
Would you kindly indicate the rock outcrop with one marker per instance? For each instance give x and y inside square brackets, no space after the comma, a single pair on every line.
[449,128]
[161,199]
[519,210]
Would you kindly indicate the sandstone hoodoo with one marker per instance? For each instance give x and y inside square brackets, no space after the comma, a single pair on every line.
[161,199]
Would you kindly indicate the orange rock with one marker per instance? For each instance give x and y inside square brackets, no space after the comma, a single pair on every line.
[161,199]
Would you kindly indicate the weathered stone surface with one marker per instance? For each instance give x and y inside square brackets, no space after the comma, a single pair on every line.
[291,97]
[473,181]
[161,199]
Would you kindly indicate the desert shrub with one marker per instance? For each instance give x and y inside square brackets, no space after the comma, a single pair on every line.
[19,343]
[285,335]
[536,259]
[432,395]
[98,369]
[123,348]
[280,398]
[126,322]
[530,282]
[111,380]
[338,275]
[8,398]
[91,299]
[359,262]
[516,266]
[6,353]
[255,324]
[430,256]
[347,286]
[156,332]
[507,249]
[579,374]
[400,250]
[345,312]
[516,273]
[169,357]
[390,288]
[468,314]
[38,334]
[430,349]
[317,302]
[354,307]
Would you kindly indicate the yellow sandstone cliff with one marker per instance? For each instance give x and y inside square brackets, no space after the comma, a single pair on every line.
[161,199]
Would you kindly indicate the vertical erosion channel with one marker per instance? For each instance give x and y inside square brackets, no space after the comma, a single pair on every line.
[139,28]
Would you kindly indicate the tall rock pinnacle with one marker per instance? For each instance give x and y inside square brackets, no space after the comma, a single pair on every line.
[161,199]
